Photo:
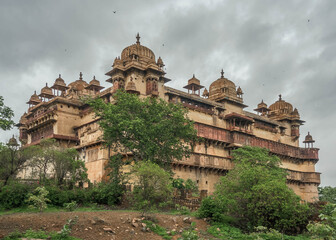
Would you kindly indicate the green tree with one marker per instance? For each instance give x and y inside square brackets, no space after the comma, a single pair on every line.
[152,185]
[151,129]
[255,192]
[327,194]
[13,159]
[6,115]
[61,163]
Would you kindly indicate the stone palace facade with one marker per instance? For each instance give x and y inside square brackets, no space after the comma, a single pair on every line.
[219,116]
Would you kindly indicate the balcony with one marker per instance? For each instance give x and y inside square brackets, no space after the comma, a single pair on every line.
[241,138]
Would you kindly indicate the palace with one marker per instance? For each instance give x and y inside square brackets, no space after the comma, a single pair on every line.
[219,116]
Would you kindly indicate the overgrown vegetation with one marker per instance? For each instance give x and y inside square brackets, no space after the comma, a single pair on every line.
[255,194]
[152,186]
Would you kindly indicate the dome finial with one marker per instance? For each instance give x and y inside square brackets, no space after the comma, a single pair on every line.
[222,73]
[194,75]
[280,97]
[80,76]
[138,39]
[59,75]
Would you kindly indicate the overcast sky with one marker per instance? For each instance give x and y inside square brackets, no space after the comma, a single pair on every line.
[266,47]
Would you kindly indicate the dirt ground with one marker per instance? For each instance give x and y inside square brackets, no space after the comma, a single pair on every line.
[90,225]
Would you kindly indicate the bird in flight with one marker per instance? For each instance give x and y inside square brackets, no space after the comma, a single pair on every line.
[114,11]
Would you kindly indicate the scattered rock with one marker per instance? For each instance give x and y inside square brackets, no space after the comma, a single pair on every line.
[218,229]
[109,230]
[97,220]
[134,224]
[144,225]
[187,220]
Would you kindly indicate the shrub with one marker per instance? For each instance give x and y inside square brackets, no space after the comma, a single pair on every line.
[326,229]
[153,186]
[255,192]
[14,195]
[58,197]
[70,206]
[214,209]
[39,200]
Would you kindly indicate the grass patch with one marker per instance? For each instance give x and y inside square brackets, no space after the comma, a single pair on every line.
[161,231]
[38,234]
[224,231]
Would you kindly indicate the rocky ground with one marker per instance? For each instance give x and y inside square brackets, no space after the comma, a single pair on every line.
[104,225]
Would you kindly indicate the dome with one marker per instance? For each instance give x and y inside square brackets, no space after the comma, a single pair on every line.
[138,51]
[79,84]
[308,139]
[59,81]
[94,81]
[46,92]
[222,88]
[194,80]
[281,105]
[12,142]
[34,99]
[262,104]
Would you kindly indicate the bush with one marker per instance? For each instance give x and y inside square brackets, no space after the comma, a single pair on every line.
[326,229]
[14,195]
[152,188]
[70,206]
[39,200]
[214,209]
[58,197]
[255,193]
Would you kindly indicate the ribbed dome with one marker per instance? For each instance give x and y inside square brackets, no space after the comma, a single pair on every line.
[94,81]
[281,105]
[59,81]
[142,52]
[46,90]
[34,98]
[262,104]
[222,88]
[80,84]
